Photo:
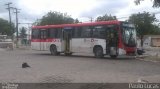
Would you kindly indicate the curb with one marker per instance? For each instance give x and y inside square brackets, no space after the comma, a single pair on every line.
[148,60]
[142,57]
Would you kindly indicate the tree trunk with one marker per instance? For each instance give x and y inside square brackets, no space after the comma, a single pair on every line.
[141,37]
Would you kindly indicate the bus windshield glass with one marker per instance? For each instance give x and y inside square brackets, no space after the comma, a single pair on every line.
[129,34]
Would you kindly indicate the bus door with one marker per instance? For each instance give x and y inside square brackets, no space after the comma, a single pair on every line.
[43,35]
[112,41]
[66,40]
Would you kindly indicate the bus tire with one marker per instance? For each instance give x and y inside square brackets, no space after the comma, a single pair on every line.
[53,50]
[113,56]
[98,52]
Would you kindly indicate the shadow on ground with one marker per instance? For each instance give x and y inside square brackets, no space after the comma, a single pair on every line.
[86,56]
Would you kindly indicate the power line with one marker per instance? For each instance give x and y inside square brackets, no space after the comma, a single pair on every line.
[16,12]
[91,19]
[8,8]
[25,23]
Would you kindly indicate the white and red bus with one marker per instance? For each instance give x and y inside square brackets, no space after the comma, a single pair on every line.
[99,38]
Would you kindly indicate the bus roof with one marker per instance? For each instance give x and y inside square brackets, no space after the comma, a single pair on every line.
[77,25]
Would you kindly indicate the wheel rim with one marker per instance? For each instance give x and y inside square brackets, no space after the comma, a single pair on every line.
[99,52]
[53,50]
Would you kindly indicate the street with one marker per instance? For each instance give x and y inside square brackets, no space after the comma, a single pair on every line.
[46,68]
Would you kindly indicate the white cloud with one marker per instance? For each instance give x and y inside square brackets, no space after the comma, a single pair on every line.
[72,7]
[82,9]
[106,7]
[146,5]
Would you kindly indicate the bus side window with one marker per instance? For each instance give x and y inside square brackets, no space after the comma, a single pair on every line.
[51,33]
[99,32]
[41,34]
[76,32]
[48,33]
[86,32]
[35,34]
[58,33]
[45,34]
[73,30]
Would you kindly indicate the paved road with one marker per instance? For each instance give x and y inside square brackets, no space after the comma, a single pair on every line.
[78,69]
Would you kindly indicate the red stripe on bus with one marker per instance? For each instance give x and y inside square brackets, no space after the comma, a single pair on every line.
[45,40]
[77,25]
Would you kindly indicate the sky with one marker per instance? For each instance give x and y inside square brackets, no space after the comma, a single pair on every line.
[31,10]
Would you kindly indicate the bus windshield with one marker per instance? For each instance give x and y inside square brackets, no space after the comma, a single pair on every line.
[129,35]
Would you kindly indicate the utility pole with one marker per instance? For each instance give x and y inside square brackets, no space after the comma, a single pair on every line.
[91,19]
[8,8]
[16,11]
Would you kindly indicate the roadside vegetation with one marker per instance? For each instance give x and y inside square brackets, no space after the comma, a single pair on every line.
[145,23]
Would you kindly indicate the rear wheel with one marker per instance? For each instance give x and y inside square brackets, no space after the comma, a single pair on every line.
[53,50]
[98,52]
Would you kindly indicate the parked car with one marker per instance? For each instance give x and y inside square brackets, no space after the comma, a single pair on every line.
[6,42]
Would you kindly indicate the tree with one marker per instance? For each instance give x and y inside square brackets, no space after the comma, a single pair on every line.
[156,3]
[55,18]
[5,27]
[106,18]
[156,30]
[144,24]
[76,21]
[23,32]
[23,35]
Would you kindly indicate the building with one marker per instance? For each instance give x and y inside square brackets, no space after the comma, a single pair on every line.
[151,41]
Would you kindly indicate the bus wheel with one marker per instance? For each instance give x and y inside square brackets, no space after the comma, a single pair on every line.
[113,56]
[53,50]
[98,52]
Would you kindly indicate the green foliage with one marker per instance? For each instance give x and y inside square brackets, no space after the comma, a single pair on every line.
[76,21]
[5,27]
[106,18]
[156,3]
[23,32]
[144,24]
[156,30]
[55,18]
